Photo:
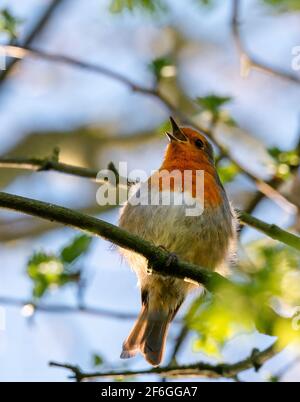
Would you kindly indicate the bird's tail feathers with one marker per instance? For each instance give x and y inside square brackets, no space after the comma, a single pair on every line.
[148,335]
[132,344]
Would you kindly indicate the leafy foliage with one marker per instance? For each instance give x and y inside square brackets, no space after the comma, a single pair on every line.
[206,3]
[161,67]
[228,172]
[152,6]
[284,5]
[9,24]
[213,104]
[49,271]
[286,160]
[97,360]
[77,248]
[275,280]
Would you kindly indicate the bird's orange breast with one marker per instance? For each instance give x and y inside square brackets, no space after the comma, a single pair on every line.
[212,189]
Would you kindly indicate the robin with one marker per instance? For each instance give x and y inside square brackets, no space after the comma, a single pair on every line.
[206,239]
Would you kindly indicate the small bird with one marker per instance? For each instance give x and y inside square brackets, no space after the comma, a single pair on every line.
[207,240]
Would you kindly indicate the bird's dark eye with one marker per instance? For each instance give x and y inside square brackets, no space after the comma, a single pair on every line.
[199,143]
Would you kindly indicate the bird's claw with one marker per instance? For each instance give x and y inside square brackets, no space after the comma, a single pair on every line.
[172,259]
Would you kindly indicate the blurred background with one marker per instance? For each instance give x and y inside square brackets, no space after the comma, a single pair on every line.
[188,49]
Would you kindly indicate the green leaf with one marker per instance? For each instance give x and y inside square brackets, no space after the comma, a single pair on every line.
[228,172]
[228,312]
[274,378]
[44,270]
[47,271]
[284,5]
[44,264]
[152,6]
[213,102]
[217,320]
[40,288]
[286,160]
[162,67]
[206,2]
[78,247]
[209,346]
[9,23]
[97,360]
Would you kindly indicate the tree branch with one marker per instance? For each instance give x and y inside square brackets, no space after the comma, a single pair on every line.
[256,361]
[251,61]
[179,341]
[271,230]
[20,52]
[35,31]
[275,182]
[157,257]
[24,227]
[65,309]
[39,165]
[47,164]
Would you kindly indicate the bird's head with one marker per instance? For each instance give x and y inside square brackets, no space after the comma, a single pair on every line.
[189,144]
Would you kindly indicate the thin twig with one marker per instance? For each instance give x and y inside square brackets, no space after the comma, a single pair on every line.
[255,360]
[275,182]
[249,61]
[184,331]
[271,230]
[65,309]
[33,34]
[45,164]
[25,227]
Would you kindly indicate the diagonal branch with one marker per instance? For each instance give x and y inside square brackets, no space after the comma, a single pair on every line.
[248,61]
[65,309]
[271,230]
[39,165]
[33,34]
[157,257]
[50,164]
[20,52]
[255,360]
[24,227]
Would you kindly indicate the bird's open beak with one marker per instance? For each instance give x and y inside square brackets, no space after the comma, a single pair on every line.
[177,134]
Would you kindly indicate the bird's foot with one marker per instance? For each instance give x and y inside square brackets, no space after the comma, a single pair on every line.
[172,257]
